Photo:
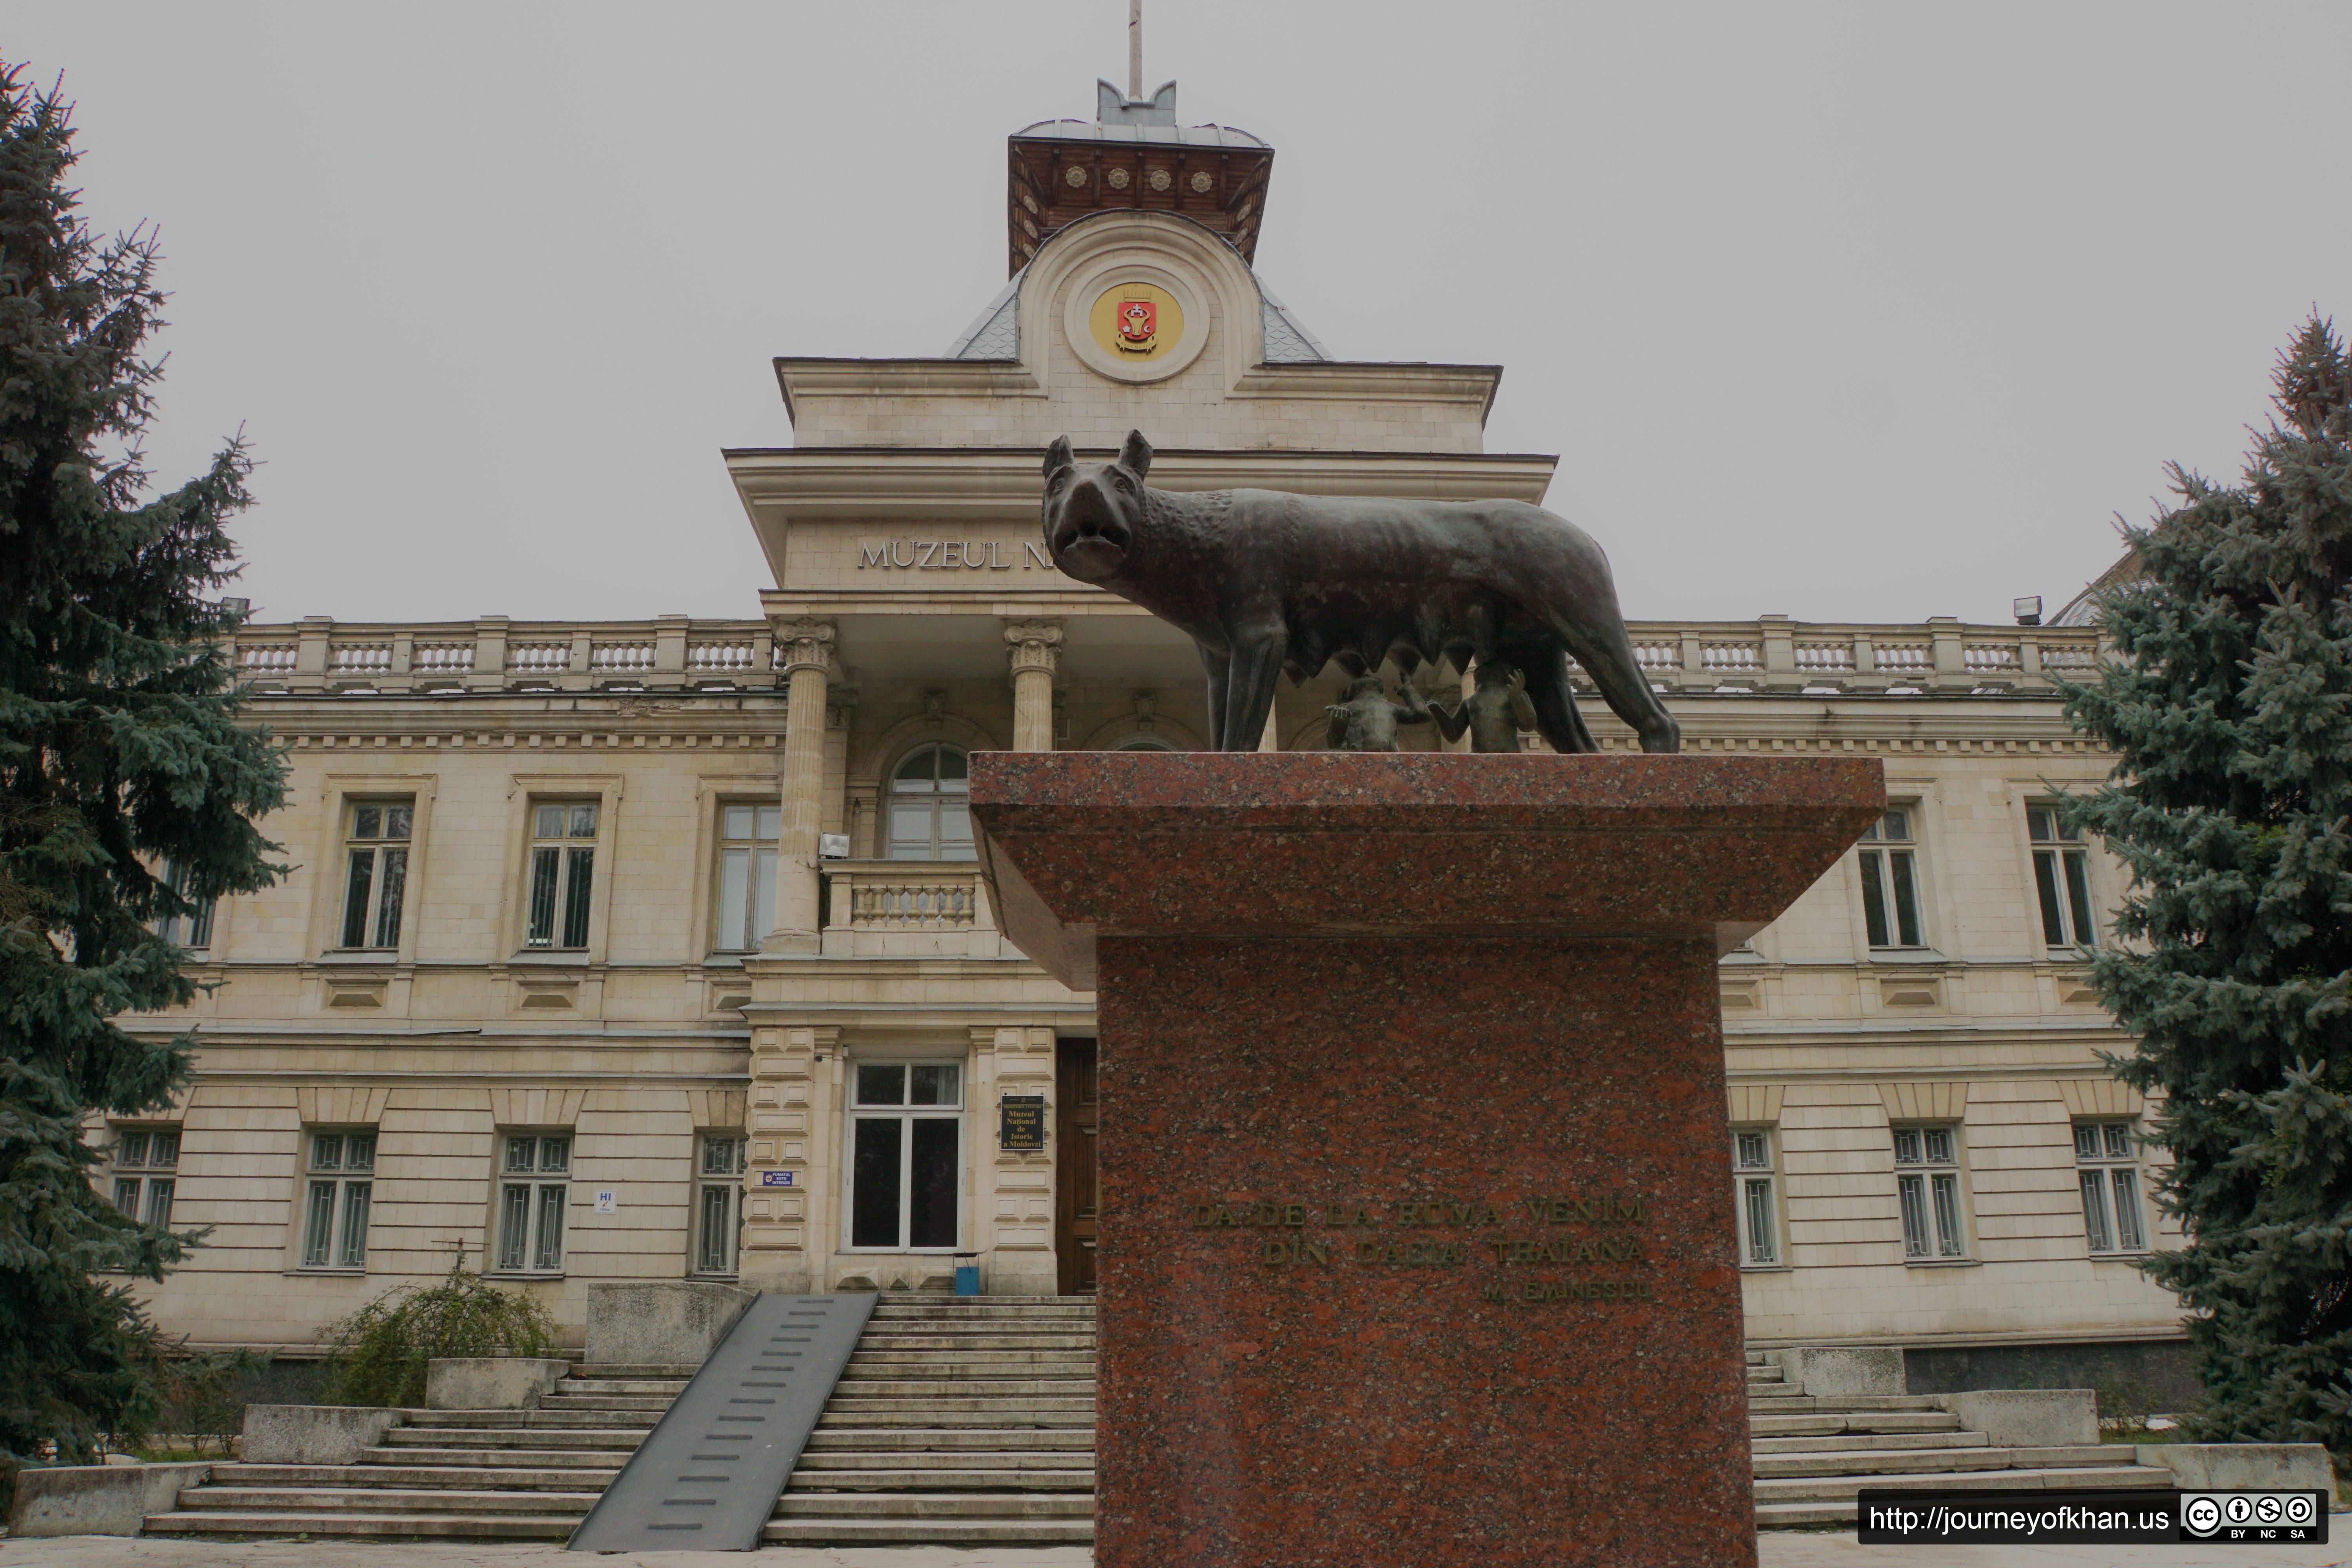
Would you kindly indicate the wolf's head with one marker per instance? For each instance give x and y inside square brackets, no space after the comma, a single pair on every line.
[1091,514]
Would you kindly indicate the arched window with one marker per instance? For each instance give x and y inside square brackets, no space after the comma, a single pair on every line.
[1143,743]
[930,813]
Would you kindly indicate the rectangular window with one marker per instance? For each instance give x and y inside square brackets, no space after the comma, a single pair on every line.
[146,1172]
[534,1185]
[376,875]
[1753,1172]
[2062,881]
[905,1165]
[1890,882]
[2107,1162]
[719,1204]
[562,873]
[1927,1183]
[747,875]
[338,1190]
[193,931]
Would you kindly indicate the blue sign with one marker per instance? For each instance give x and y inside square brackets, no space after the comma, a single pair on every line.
[780,1178]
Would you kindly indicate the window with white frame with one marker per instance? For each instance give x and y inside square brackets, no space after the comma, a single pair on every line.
[930,811]
[193,930]
[1759,1213]
[2107,1165]
[747,875]
[1890,882]
[1927,1183]
[906,1164]
[338,1190]
[717,1202]
[375,871]
[2061,879]
[534,1185]
[146,1172]
[562,873]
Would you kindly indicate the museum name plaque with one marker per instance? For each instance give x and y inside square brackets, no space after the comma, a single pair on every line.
[1020,1124]
[1350,1233]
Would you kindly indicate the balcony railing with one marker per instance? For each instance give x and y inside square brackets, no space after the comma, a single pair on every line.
[899,896]
[1772,654]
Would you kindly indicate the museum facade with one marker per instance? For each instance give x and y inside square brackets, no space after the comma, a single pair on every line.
[657,950]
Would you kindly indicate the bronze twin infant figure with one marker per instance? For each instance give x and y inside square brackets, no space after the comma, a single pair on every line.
[1264,582]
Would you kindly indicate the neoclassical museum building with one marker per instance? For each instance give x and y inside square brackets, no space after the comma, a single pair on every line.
[656,949]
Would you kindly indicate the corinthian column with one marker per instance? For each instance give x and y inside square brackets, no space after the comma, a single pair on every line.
[806,655]
[1037,658]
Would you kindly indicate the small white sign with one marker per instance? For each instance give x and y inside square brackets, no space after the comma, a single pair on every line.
[607,1203]
[779,1178]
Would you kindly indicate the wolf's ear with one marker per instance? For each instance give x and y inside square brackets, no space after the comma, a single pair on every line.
[1057,457]
[1137,454]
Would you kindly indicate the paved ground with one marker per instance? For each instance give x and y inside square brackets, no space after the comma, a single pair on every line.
[1780,1551]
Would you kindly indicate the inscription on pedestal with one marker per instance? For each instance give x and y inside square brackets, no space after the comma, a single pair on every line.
[1292,1247]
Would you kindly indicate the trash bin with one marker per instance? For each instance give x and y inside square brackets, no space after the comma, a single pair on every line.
[967,1274]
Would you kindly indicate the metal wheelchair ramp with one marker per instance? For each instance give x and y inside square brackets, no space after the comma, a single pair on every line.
[709,1476]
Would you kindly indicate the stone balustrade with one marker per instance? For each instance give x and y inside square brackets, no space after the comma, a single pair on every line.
[899,896]
[1772,654]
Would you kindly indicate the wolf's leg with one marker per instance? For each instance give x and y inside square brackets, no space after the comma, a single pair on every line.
[1252,670]
[1214,664]
[1557,720]
[1607,654]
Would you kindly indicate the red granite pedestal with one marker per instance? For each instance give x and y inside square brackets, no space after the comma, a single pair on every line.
[1417,1235]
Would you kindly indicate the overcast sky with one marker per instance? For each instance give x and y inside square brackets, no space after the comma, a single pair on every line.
[1869,311]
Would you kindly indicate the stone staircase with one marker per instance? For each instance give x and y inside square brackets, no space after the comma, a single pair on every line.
[971,1422]
[1813,1453]
[958,1422]
[483,1475]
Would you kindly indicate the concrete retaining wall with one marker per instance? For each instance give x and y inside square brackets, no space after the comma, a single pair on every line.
[97,1499]
[2235,1466]
[312,1434]
[490,1383]
[674,1322]
[1839,1370]
[2028,1417]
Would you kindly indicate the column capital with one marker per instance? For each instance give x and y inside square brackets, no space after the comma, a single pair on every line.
[1033,645]
[805,645]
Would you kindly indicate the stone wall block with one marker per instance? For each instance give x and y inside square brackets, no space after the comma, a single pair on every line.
[670,1323]
[1839,1370]
[2028,1417]
[2236,1467]
[313,1433]
[490,1383]
[97,1499]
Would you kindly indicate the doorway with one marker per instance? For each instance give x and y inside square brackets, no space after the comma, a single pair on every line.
[1074,1166]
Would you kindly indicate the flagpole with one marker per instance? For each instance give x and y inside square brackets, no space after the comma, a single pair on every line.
[1134,51]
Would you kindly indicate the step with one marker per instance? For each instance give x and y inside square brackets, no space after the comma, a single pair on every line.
[928,1533]
[1070,1462]
[1022,1404]
[828,1481]
[1915,1461]
[1829,1489]
[918,1416]
[1854,1442]
[505,1420]
[461,1475]
[679,1372]
[380,1500]
[608,1460]
[386,1526]
[847,1437]
[618,1439]
[963,1344]
[620,1403]
[951,1388]
[936,1505]
[624,1387]
[1861,1421]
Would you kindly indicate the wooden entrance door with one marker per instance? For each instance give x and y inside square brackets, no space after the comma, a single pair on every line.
[1073,1162]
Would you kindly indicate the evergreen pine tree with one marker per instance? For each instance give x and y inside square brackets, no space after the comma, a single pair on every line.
[120,753]
[2230,707]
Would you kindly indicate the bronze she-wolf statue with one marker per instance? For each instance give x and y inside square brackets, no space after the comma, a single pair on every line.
[1264,582]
